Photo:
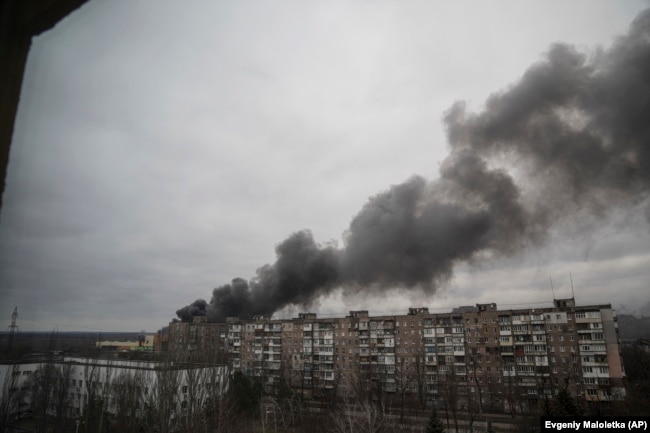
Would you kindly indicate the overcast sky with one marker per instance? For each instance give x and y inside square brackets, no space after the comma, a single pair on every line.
[163,148]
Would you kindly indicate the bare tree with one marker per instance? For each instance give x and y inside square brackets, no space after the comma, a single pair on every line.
[127,391]
[97,382]
[50,397]
[511,390]
[218,410]
[360,417]
[91,405]
[12,396]
[475,362]
[419,372]
[162,400]
[194,394]
[61,398]
[45,388]
[451,392]
[43,384]
[402,383]
[361,383]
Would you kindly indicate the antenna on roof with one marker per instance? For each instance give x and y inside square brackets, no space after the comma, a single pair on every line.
[573,296]
[552,288]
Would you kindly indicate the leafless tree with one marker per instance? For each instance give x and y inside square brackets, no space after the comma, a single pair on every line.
[97,383]
[218,410]
[127,391]
[91,403]
[361,384]
[510,388]
[50,397]
[359,417]
[475,362]
[418,373]
[12,396]
[403,376]
[61,397]
[450,389]
[161,404]
[42,385]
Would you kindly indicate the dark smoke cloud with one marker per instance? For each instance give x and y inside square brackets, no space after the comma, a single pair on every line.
[575,127]
[196,308]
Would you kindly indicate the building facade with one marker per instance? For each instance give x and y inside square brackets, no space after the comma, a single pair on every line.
[73,384]
[476,357]
[198,341]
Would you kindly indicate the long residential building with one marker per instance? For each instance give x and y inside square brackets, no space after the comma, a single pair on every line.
[479,356]
[72,385]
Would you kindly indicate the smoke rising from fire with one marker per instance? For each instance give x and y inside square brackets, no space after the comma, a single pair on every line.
[575,134]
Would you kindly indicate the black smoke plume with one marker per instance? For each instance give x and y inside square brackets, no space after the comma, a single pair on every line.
[575,135]
[196,308]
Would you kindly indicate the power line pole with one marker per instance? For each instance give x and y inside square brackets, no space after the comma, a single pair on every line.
[12,329]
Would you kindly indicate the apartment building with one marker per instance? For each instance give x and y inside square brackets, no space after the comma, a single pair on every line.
[472,357]
[76,381]
[198,341]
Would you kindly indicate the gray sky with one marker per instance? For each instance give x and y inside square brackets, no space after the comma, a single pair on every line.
[161,151]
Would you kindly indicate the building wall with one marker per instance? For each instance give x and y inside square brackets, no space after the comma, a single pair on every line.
[502,360]
[97,377]
[198,341]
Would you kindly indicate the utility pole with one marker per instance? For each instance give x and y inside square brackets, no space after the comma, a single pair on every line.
[12,329]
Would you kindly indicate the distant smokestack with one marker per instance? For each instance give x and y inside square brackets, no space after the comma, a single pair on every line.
[575,128]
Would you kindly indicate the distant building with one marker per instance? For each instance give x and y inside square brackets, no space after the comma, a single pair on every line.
[503,360]
[198,341]
[644,344]
[80,380]
[144,343]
